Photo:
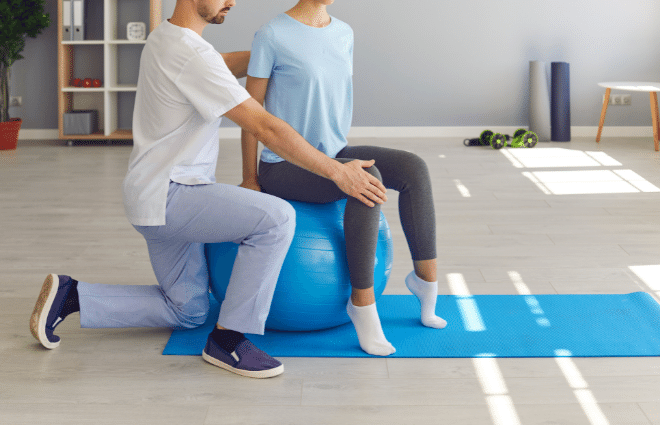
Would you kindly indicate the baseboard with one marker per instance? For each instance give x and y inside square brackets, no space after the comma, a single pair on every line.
[466,132]
[400,132]
[622,131]
[469,132]
[46,134]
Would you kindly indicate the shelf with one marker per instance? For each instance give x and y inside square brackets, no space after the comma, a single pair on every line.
[83,60]
[94,136]
[121,134]
[106,55]
[118,87]
[116,135]
[83,90]
[127,42]
[123,64]
[123,87]
[83,42]
[102,42]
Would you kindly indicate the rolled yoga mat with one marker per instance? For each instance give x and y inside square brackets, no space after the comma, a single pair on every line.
[539,101]
[560,102]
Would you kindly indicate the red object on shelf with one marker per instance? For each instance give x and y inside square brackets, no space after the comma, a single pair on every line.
[96,83]
[87,83]
[77,82]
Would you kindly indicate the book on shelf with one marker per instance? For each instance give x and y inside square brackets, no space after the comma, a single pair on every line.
[66,20]
[78,20]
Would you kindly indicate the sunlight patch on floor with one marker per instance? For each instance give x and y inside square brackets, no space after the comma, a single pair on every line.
[578,182]
[467,305]
[590,182]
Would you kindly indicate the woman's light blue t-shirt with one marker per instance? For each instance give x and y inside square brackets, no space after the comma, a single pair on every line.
[311,85]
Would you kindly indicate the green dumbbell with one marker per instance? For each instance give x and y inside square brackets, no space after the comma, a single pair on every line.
[523,138]
[495,140]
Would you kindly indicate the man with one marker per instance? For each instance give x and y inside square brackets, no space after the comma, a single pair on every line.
[184,89]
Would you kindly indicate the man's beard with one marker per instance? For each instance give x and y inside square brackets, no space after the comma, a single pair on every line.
[206,15]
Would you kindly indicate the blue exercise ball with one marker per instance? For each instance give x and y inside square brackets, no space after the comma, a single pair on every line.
[314,285]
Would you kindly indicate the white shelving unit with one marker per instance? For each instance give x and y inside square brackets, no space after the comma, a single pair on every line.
[78,57]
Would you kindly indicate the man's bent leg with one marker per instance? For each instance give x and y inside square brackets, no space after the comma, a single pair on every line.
[196,215]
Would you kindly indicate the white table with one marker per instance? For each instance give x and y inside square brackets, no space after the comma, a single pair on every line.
[651,88]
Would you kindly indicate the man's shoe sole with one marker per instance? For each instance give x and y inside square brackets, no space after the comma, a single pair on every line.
[41,310]
[260,374]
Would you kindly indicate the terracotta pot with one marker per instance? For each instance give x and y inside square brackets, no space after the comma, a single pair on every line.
[9,133]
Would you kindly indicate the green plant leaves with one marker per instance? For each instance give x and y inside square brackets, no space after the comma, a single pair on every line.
[18,19]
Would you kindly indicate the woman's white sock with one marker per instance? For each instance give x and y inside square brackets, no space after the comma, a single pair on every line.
[427,294]
[369,331]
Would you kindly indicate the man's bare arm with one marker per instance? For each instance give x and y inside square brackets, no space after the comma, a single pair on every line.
[237,62]
[287,143]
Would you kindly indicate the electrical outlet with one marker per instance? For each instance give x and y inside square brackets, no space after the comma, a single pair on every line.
[619,99]
[614,99]
[15,101]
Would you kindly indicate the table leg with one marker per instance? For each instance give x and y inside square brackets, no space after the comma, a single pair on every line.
[606,102]
[655,119]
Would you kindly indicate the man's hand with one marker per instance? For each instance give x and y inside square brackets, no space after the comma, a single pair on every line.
[356,182]
[251,184]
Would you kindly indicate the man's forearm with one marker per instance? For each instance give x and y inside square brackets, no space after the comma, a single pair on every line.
[282,139]
[237,62]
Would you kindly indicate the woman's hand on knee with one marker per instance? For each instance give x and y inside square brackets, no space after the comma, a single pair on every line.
[358,183]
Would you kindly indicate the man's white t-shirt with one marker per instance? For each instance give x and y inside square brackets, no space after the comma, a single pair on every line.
[184,88]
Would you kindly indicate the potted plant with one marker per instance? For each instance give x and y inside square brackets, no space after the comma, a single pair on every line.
[19,19]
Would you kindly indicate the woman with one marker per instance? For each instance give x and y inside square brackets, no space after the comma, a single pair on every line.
[302,67]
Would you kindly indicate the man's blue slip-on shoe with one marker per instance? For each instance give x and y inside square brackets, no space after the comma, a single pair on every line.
[246,360]
[46,314]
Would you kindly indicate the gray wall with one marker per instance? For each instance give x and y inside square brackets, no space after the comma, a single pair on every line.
[438,63]
[35,78]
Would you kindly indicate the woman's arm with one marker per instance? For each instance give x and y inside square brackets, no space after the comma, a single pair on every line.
[249,143]
[237,62]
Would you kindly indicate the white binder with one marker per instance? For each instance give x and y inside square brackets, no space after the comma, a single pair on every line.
[78,20]
[66,21]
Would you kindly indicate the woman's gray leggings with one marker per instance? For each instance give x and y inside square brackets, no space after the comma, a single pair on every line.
[402,171]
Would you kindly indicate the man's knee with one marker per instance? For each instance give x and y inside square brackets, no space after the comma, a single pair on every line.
[190,321]
[194,322]
[283,216]
[191,313]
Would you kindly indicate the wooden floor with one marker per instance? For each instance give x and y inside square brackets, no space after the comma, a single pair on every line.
[507,220]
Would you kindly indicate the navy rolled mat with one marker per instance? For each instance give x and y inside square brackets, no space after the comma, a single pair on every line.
[619,325]
[560,102]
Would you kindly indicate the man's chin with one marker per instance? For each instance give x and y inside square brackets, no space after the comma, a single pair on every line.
[216,20]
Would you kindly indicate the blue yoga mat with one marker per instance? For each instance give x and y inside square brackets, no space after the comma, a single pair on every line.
[622,325]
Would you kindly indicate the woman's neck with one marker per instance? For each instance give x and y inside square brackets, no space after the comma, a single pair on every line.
[310,13]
